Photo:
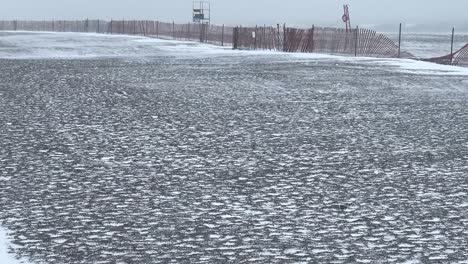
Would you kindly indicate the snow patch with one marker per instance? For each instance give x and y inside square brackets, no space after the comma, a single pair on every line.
[5,256]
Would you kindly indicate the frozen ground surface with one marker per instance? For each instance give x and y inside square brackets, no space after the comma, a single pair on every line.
[132,150]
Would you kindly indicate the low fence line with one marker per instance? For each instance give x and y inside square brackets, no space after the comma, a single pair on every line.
[458,58]
[356,42]
[213,34]
[352,42]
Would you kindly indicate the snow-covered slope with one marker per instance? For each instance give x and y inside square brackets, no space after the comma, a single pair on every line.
[53,45]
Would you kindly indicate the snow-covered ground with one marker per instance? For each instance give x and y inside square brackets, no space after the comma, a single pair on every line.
[6,257]
[53,45]
[119,149]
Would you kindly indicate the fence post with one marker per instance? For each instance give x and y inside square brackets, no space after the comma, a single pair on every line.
[97,29]
[264,42]
[123,26]
[53,25]
[278,37]
[356,41]
[285,39]
[157,29]
[222,37]
[145,27]
[234,41]
[451,47]
[255,37]
[399,43]
[313,44]
[173,30]
[201,32]
[111,24]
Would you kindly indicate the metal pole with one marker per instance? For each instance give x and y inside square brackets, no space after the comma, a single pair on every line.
[399,43]
[451,47]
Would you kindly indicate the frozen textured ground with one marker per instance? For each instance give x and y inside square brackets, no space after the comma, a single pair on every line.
[157,152]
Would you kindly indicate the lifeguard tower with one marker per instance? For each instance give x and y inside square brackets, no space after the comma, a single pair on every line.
[201,12]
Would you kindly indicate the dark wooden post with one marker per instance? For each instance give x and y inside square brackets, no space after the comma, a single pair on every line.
[313,44]
[97,29]
[356,41]
[111,24]
[255,37]
[222,36]
[399,43]
[278,37]
[188,32]
[451,47]
[201,32]
[157,28]
[173,30]
[235,37]
[285,41]
[123,26]
[205,33]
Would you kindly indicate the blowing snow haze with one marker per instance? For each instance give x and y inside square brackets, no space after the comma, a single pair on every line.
[423,15]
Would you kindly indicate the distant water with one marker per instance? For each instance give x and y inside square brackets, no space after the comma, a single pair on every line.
[426,45]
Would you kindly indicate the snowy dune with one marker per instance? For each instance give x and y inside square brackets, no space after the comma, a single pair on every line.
[56,45]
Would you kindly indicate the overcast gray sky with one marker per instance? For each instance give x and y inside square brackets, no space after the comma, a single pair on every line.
[294,12]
